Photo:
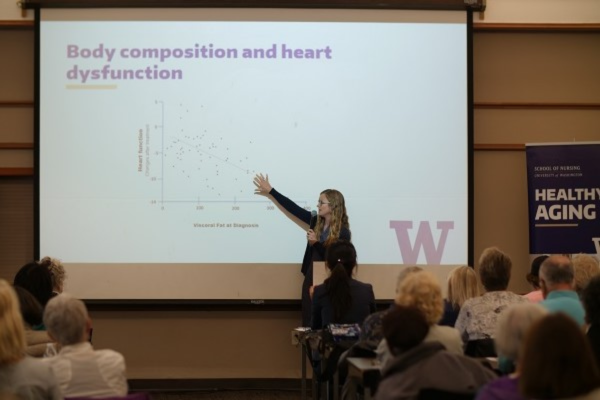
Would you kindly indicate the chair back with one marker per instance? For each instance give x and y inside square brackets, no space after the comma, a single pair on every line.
[130,396]
[336,339]
[481,348]
[435,394]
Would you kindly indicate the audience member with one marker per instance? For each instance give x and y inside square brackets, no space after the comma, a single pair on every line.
[20,375]
[557,361]
[478,316]
[422,291]
[35,334]
[585,267]
[556,281]
[591,303]
[37,280]
[57,273]
[512,327]
[31,309]
[418,365]
[533,277]
[341,299]
[371,333]
[80,370]
[462,285]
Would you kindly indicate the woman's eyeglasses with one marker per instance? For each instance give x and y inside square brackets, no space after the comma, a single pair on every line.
[320,203]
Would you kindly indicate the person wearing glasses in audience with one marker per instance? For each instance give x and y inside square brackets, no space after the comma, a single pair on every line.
[329,225]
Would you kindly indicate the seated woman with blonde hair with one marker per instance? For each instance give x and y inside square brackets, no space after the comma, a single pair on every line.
[423,291]
[462,286]
[20,375]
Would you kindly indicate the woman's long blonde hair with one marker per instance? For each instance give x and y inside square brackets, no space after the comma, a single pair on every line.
[339,218]
[462,285]
[12,330]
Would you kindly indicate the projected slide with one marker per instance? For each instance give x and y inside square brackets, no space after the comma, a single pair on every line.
[151,133]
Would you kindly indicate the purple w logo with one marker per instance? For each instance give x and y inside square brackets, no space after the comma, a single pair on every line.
[424,239]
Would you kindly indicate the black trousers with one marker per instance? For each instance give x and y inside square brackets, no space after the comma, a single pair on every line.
[306,301]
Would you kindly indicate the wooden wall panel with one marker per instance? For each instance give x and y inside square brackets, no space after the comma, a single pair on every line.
[201,344]
[16,68]
[16,158]
[501,210]
[532,126]
[537,67]
[16,125]
[16,225]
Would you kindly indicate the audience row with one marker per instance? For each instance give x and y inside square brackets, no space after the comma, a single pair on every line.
[546,344]
[36,319]
[468,323]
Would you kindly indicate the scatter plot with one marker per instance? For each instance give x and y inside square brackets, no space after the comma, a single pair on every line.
[196,160]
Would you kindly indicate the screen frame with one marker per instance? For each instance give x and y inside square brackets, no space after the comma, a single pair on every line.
[244,304]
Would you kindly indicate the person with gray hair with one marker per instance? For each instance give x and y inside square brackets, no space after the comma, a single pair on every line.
[585,267]
[80,370]
[513,325]
[556,281]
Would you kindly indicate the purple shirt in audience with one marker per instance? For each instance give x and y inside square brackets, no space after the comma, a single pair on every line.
[504,388]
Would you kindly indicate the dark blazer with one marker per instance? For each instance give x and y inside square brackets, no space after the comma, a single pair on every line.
[315,252]
[312,253]
[450,314]
[363,304]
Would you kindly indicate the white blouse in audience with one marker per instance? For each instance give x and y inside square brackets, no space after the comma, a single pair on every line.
[82,371]
[29,379]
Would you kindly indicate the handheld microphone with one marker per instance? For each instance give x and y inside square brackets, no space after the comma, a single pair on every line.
[313,220]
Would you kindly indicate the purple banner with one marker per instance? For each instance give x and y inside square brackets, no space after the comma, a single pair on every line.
[564,198]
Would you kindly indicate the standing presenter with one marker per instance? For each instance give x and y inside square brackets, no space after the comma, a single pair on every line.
[327,226]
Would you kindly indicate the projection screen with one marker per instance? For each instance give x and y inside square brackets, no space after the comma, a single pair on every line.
[153,122]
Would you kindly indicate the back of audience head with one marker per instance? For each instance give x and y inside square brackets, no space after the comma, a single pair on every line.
[590,297]
[513,325]
[37,280]
[406,272]
[557,360]
[31,309]
[404,327]
[533,277]
[422,290]
[57,272]
[585,267]
[67,320]
[341,262]
[462,285]
[12,330]
[556,272]
[494,269]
